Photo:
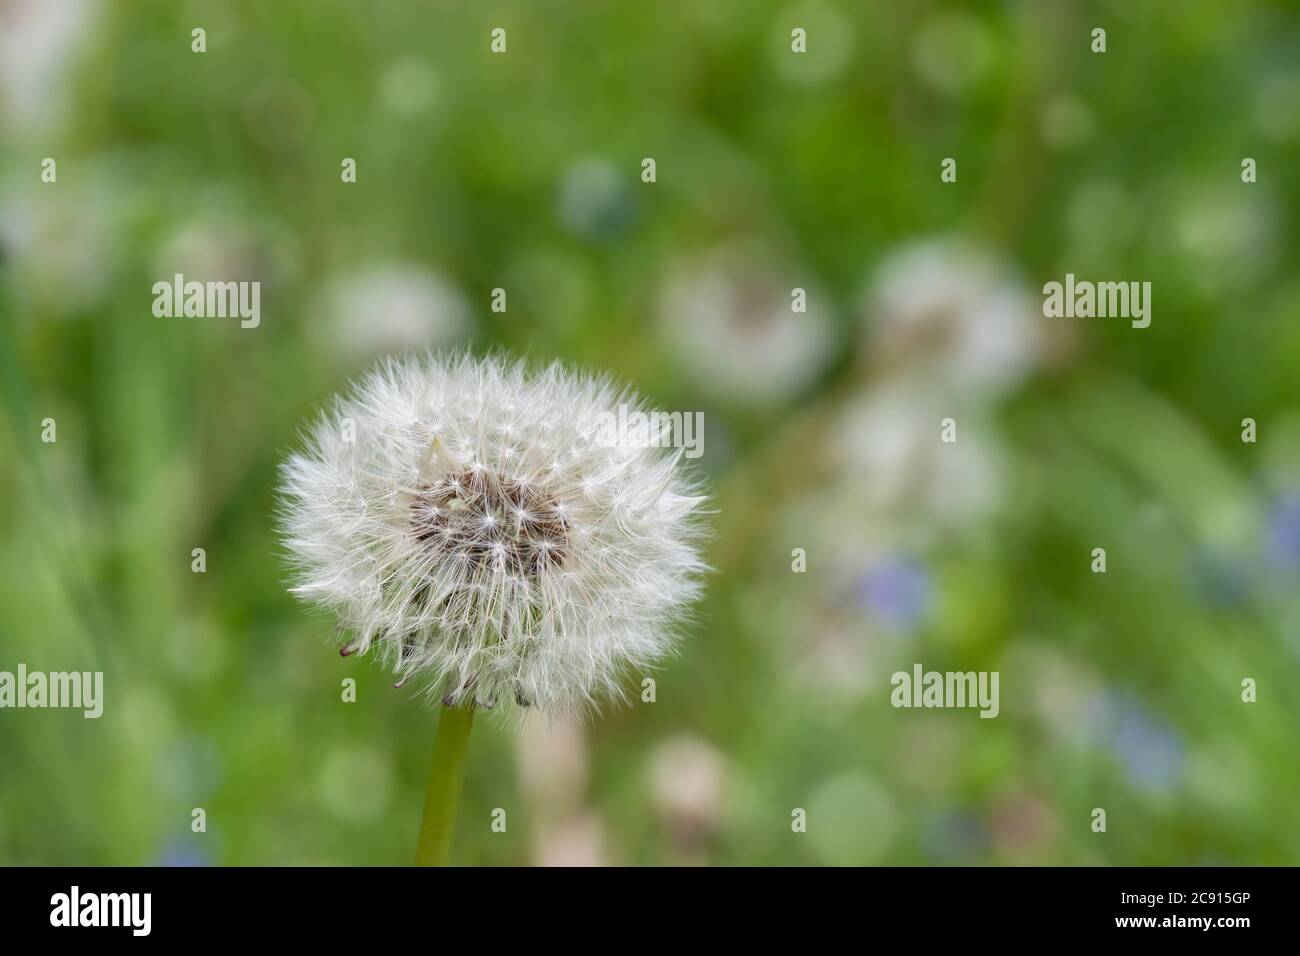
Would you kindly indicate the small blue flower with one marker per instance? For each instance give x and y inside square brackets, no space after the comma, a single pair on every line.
[1284,531]
[1151,751]
[953,835]
[183,853]
[895,590]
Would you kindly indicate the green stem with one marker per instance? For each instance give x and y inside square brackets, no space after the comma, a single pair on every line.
[444,785]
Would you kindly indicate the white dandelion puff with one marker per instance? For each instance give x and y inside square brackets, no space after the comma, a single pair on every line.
[469,523]
[946,311]
[729,319]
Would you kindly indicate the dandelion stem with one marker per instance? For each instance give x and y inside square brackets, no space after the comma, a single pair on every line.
[445,779]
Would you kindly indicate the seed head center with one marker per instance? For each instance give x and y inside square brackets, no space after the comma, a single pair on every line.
[489,522]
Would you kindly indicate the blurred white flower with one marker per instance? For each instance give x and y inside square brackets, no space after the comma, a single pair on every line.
[1060,690]
[391,307]
[689,788]
[202,249]
[888,453]
[222,247]
[57,239]
[38,40]
[551,756]
[954,314]
[465,520]
[1226,235]
[730,321]
[847,627]
[575,841]
[832,657]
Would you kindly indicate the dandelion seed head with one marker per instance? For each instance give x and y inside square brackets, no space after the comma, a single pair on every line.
[451,542]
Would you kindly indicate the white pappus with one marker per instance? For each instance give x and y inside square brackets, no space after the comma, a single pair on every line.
[463,521]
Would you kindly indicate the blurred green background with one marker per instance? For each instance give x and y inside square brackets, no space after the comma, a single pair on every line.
[775,171]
